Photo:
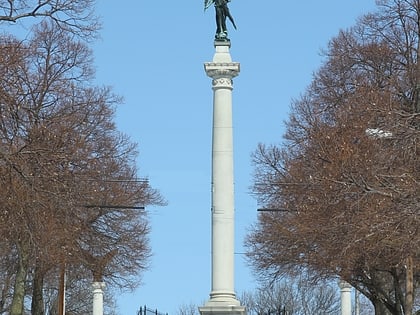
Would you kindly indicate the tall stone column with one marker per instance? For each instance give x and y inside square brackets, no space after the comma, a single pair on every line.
[345,289]
[98,298]
[222,296]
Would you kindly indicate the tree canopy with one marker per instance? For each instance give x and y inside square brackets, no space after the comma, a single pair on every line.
[70,197]
[342,191]
[73,16]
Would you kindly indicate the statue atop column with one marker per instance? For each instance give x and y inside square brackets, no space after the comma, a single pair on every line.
[222,12]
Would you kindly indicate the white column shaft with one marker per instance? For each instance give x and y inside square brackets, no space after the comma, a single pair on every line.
[345,290]
[222,194]
[98,298]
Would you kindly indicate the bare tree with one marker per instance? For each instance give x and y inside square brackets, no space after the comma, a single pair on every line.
[188,309]
[343,189]
[75,16]
[77,290]
[72,197]
[293,296]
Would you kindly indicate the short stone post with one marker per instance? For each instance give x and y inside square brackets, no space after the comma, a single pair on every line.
[98,297]
[345,289]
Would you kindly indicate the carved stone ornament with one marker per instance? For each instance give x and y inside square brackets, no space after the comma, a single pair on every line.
[222,70]
[222,82]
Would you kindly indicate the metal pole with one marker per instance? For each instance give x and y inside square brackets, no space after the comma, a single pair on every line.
[61,290]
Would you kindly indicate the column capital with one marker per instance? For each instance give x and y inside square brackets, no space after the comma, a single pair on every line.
[217,70]
[96,285]
[222,73]
[344,285]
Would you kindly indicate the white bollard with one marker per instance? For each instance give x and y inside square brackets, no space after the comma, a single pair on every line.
[98,298]
[345,289]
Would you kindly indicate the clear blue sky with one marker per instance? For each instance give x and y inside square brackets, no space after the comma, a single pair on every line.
[152,53]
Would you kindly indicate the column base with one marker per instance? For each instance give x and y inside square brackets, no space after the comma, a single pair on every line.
[220,309]
[222,303]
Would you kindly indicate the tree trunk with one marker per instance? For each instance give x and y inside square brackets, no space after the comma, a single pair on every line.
[37,305]
[4,292]
[381,309]
[17,306]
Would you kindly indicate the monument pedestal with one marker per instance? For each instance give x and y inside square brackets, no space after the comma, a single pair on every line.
[222,310]
[222,296]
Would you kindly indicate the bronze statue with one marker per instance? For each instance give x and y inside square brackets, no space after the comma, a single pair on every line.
[222,12]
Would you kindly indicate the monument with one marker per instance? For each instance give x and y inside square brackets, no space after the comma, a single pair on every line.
[222,12]
[222,70]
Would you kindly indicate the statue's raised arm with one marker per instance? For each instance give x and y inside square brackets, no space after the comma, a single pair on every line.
[222,12]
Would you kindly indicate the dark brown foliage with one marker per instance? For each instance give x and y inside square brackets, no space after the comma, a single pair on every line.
[70,194]
[345,185]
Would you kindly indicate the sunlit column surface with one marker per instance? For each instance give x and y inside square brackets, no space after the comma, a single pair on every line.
[222,296]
